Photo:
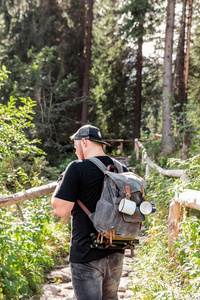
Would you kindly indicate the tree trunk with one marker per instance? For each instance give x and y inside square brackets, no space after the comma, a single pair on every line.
[86,82]
[179,69]
[81,63]
[186,138]
[187,56]
[167,139]
[138,94]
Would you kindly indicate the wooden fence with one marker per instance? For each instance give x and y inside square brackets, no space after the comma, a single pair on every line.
[189,198]
[120,142]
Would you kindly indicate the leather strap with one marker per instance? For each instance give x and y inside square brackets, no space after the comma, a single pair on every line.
[109,167]
[143,194]
[83,207]
[128,192]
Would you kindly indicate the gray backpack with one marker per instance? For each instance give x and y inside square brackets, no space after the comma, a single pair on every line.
[117,217]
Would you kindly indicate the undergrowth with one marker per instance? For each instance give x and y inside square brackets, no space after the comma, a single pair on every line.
[32,239]
[157,275]
[29,248]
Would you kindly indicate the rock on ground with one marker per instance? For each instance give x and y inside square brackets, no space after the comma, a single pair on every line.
[60,286]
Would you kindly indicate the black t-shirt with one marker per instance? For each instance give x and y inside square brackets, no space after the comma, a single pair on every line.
[83,180]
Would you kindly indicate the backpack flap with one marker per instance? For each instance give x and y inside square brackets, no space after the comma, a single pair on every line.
[135,183]
[127,178]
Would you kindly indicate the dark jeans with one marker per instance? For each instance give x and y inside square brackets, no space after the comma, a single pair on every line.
[99,279]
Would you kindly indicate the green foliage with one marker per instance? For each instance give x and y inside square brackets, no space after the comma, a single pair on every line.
[108,79]
[31,239]
[195,147]
[55,97]
[156,274]
[43,46]
[151,264]
[160,192]
[140,17]
[66,160]
[18,153]
[187,249]
[29,248]
[3,75]
[192,169]
[136,166]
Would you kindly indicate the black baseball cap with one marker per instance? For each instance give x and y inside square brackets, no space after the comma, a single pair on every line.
[89,132]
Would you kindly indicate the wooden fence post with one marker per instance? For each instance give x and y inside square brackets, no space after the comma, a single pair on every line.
[121,146]
[137,149]
[173,224]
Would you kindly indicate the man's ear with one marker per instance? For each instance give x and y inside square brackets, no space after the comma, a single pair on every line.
[84,142]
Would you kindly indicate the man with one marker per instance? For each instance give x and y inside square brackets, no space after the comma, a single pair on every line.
[95,272]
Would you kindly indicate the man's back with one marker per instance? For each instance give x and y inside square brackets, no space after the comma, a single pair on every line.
[95,272]
[83,180]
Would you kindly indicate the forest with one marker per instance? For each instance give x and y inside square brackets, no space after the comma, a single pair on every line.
[130,67]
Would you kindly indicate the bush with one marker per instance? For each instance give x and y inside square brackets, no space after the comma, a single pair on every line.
[31,239]
[156,274]
[29,248]
[19,166]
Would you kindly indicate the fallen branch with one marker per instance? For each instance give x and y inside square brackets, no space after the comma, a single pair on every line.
[169,173]
[35,192]
[148,161]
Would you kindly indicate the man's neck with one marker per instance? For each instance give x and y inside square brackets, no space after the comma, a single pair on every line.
[91,149]
[95,153]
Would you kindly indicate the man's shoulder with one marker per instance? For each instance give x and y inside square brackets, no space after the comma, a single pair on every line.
[80,164]
[84,163]
[88,161]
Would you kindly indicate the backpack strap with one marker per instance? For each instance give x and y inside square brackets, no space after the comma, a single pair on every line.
[118,165]
[98,163]
[102,167]
[83,207]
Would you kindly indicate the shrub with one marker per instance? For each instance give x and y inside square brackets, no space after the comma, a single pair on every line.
[29,248]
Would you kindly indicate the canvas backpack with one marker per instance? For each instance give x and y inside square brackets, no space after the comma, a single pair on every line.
[115,228]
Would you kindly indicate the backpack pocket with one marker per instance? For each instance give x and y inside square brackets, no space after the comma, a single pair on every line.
[136,217]
[103,216]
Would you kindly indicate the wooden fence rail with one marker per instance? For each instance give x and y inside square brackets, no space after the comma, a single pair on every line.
[188,198]
[6,200]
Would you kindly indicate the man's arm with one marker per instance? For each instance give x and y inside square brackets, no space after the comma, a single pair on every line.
[62,208]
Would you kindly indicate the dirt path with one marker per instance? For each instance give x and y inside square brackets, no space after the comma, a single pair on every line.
[62,289]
